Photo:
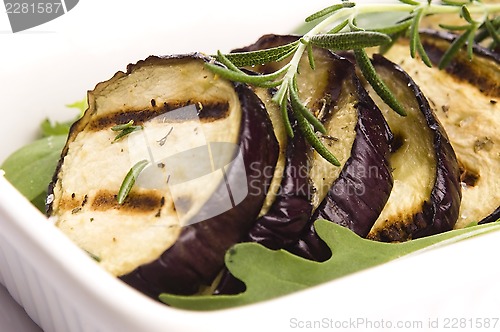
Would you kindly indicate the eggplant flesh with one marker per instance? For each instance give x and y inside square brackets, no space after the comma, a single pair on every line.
[278,124]
[209,143]
[464,97]
[426,195]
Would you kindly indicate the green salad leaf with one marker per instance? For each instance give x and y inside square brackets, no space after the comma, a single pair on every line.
[271,273]
[30,169]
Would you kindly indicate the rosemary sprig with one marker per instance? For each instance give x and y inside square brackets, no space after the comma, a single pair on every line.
[125,129]
[376,82]
[330,33]
[129,180]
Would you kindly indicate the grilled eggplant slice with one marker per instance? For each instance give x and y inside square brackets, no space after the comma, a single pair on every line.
[465,99]
[209,143]
[353,194]
[426,195]
[360,192]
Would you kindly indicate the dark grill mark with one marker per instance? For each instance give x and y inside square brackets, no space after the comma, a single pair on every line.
[463,70]
[468,176]
[135,202]
[207,112]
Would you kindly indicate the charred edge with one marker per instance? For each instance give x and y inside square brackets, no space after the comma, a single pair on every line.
[461,68]
[341,71]
[72,203]
[135,202]
[441,212]
[468,176]
[403,230]
[162,60]
[207,112]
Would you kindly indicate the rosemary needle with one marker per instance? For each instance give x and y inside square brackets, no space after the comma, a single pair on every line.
[129,180]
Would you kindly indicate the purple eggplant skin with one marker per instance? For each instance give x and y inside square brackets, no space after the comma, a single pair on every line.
[440,212]
[289,213]
[292,207]
[197,256]
[494,216]
[360,192]
[364,185]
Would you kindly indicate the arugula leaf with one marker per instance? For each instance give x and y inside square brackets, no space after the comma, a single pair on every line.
[54,129]
[62,128]
[30,168]
[268,274]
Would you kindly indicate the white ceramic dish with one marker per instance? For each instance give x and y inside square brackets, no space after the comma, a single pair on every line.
[62,289]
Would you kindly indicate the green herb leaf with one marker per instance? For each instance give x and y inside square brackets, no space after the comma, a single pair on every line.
[467,16]
[244,59]
[300,108]
[62,128]
[129,180]
[454,48]
[350,40]
[125,129]
[329,10]
[286,118]
[30,169]
[415,43]
[410,2]
[306,128]
[265,81]
[81,105]
[470,41]
[226,62]
[370,74]
[492,31]
[271,273]
[398,27]
[53,129]
[338,27]
[123,126]
[310,56]
[93,256]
